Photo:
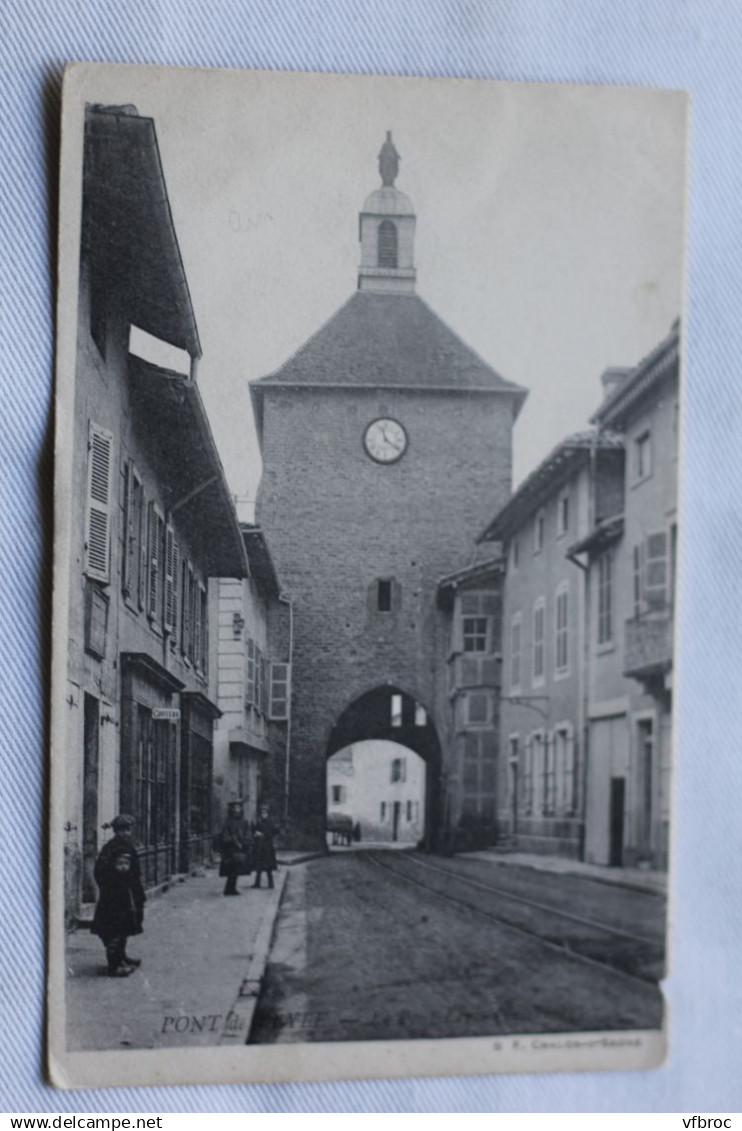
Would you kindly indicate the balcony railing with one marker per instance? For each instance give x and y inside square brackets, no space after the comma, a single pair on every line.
[648,645]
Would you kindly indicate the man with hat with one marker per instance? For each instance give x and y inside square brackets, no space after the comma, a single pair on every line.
[120,909]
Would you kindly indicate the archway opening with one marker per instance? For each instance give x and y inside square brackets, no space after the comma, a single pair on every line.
[375,796]
[383,771]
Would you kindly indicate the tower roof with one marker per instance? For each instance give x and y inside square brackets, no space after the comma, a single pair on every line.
[387,341]
[388,201]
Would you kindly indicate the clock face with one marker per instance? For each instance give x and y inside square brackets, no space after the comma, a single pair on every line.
[385,440]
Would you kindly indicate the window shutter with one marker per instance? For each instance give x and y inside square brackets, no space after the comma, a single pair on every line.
[154,540]
[655,571]
[259,672]
[142,540]
[279,697]
[169,579]
[203,654]
[196,648]
[128,547]
[185,620]
[250,679]
[176,594]
[98,525]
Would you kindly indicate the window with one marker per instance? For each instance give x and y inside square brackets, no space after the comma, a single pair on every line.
[539,616]
[409,810]
[538,532]
[421,716]
[515,553]
[398,770]
[474,632]
[605,598]
[337,795]
[384,597]
[515,651]
[477,708]
[643,456]
[563,515]
[155,536]
[655,571]
[387,244]
[562,629]
[396,710]
[279,700]
[382,812]
[98,510]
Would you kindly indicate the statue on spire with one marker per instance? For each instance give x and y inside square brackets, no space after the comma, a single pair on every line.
[388,161]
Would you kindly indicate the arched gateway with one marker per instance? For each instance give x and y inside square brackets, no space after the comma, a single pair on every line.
[390,714]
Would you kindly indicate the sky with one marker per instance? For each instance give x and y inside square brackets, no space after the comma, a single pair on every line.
[549,224]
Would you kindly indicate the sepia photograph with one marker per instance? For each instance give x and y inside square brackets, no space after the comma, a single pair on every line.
[368,418]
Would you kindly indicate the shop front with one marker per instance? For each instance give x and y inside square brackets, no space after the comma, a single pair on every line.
[150,763]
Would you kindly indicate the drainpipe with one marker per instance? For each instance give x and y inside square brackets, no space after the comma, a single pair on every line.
[287,761]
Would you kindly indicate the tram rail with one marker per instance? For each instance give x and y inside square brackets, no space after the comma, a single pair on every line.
[566,948]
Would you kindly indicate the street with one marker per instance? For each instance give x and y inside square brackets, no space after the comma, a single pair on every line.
[379,945]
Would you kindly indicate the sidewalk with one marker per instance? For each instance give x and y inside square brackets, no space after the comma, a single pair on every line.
[203,960]
[639,879]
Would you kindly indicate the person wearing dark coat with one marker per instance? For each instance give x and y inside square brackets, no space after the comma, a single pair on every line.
[264,834]
[119,912]
[235,847]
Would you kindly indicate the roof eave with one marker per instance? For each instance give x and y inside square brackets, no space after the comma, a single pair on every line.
[113,124]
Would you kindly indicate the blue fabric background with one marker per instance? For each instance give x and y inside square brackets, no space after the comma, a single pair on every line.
[689,44]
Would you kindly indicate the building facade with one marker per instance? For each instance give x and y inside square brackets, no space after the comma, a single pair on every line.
[251,657]
[381,787]
[542,765]
[386,441]
[630,573]
[150,520]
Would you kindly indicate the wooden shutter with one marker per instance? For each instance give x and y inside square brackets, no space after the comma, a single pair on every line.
[155,527]
[141,534]
[250,678]
[176,594]
[169,579]
[98,524]
[196,619]
[185,609]
[655,571]
[128,546]
[203,654]
[279,696]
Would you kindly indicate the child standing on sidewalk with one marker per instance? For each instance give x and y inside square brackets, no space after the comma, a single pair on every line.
[120,908]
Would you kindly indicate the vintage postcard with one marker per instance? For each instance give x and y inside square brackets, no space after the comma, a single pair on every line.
[368,408]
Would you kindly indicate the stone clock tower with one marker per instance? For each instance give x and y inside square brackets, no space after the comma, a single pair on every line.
[386,445]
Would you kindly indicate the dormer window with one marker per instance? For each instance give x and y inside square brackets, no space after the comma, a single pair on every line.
[387,244]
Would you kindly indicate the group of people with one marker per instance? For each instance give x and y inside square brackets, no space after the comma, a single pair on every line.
[119,912]
[245,850]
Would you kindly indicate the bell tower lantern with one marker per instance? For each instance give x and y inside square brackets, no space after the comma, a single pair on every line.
[387,232]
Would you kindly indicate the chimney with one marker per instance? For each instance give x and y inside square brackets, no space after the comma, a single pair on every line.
[611,378]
